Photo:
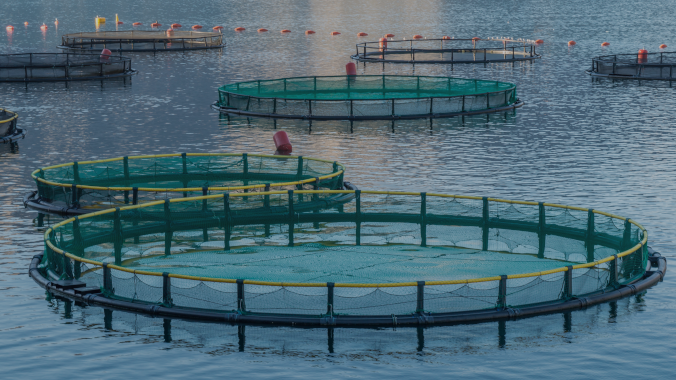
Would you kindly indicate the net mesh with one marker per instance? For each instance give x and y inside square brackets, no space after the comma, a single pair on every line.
[110,183]
[365,96]
[649,66]
[61,66]
[381,254]
[143,40]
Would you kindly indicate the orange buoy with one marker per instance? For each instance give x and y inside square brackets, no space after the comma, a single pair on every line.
[217,27]
[362,34]
[605,44]
[136,24]
[663,46]
[309,32]
[351,68]
[282,142]
[237,29]
[261,30]
[642,56]
[286,31]
[417,37]
[197,26]
[25,23]
[539,41]
[571,43]
[170,32]
[56,21]
[335,33]
[445,38]
[9,27]
[475,38]
[389,35]
[43,27]
[176,25]
[106,53]
[155,24]
[382,43]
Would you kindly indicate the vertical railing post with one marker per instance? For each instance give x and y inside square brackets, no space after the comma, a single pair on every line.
[484,222]
[291,217]
[168,233]
[67,267]
[357,199]
[589,241]
[166,290]
[423,219]
[76,172]
[241,306]
[420,299]
[502,292]
[226,221]
[299,170]
[134,195]
[542,230]
[626,236]
[74,198]
[612,281]
[568,284]
[329,303]
[107,280]
[125,162]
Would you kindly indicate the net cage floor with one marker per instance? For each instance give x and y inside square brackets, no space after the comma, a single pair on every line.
[47,67]
[446,50]
[366,97]
[9,132]
[649,66]
[88,186]
[142,40]
[384,258]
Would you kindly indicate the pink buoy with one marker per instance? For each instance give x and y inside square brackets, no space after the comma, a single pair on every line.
[282,142]
[106,53]
[351,68]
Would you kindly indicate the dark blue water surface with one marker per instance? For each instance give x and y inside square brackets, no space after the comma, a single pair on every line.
[610,145]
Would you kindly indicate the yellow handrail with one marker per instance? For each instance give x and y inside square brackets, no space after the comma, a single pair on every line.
[16,115]
[345,285]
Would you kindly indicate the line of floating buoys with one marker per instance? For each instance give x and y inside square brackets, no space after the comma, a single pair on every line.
[176,26]
[539,41]
[136,24]
[197,26]
[362,34]
[9,27]
[417,37]
[286,31]
[262,30]
[335,33]
[571,43]
[218,27]
[239,29]
[43,27]
[309,32]
[605,44]
[663,46]
[389,35]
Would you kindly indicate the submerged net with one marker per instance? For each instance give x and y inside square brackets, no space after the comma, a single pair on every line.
[383,254]
[142,40]
[61,66]
[139,179]
[659,66]
[365,96]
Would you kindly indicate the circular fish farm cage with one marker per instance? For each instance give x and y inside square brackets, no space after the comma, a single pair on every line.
[649,66]
[9,132]
[447,50]
[383,259]
[141,40]
[48,67]
[88,186]
[366,97]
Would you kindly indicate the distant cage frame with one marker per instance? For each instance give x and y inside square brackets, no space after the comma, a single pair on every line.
[142,41]
[9,133]
[630,66]
[232,102]
[63,66]
[373,52]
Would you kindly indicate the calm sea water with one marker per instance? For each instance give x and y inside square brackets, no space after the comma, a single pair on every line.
[604,144]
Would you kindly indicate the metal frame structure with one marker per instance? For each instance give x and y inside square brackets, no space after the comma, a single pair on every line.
[653,66]
[448,50]
[142,41]
[62,67]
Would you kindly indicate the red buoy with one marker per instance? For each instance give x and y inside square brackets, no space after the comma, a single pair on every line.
[261,30]
[106,53]
[382,43]
[176,25]
[663,46]
[605,44]
[286,31]
[309,32]
[137,24]
[335,33]
[217,27]
[445,38]
[9,27]
[170,32]
[417,37]
[155,25]
[539,41]
[362,34]
[642,56]
[197,26]
[118,23]
[25,23]
[282,142]
[43,27]
[475,38]
[389,35]
[351,68]
[571,43]
[237,29]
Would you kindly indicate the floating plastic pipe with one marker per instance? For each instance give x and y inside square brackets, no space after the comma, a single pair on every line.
[309,32]
[351,68]
[237,29]
[262,30]
[335,33]
[282,142]
[605,44]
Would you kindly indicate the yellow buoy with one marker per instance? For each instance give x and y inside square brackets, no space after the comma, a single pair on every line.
[100,20]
